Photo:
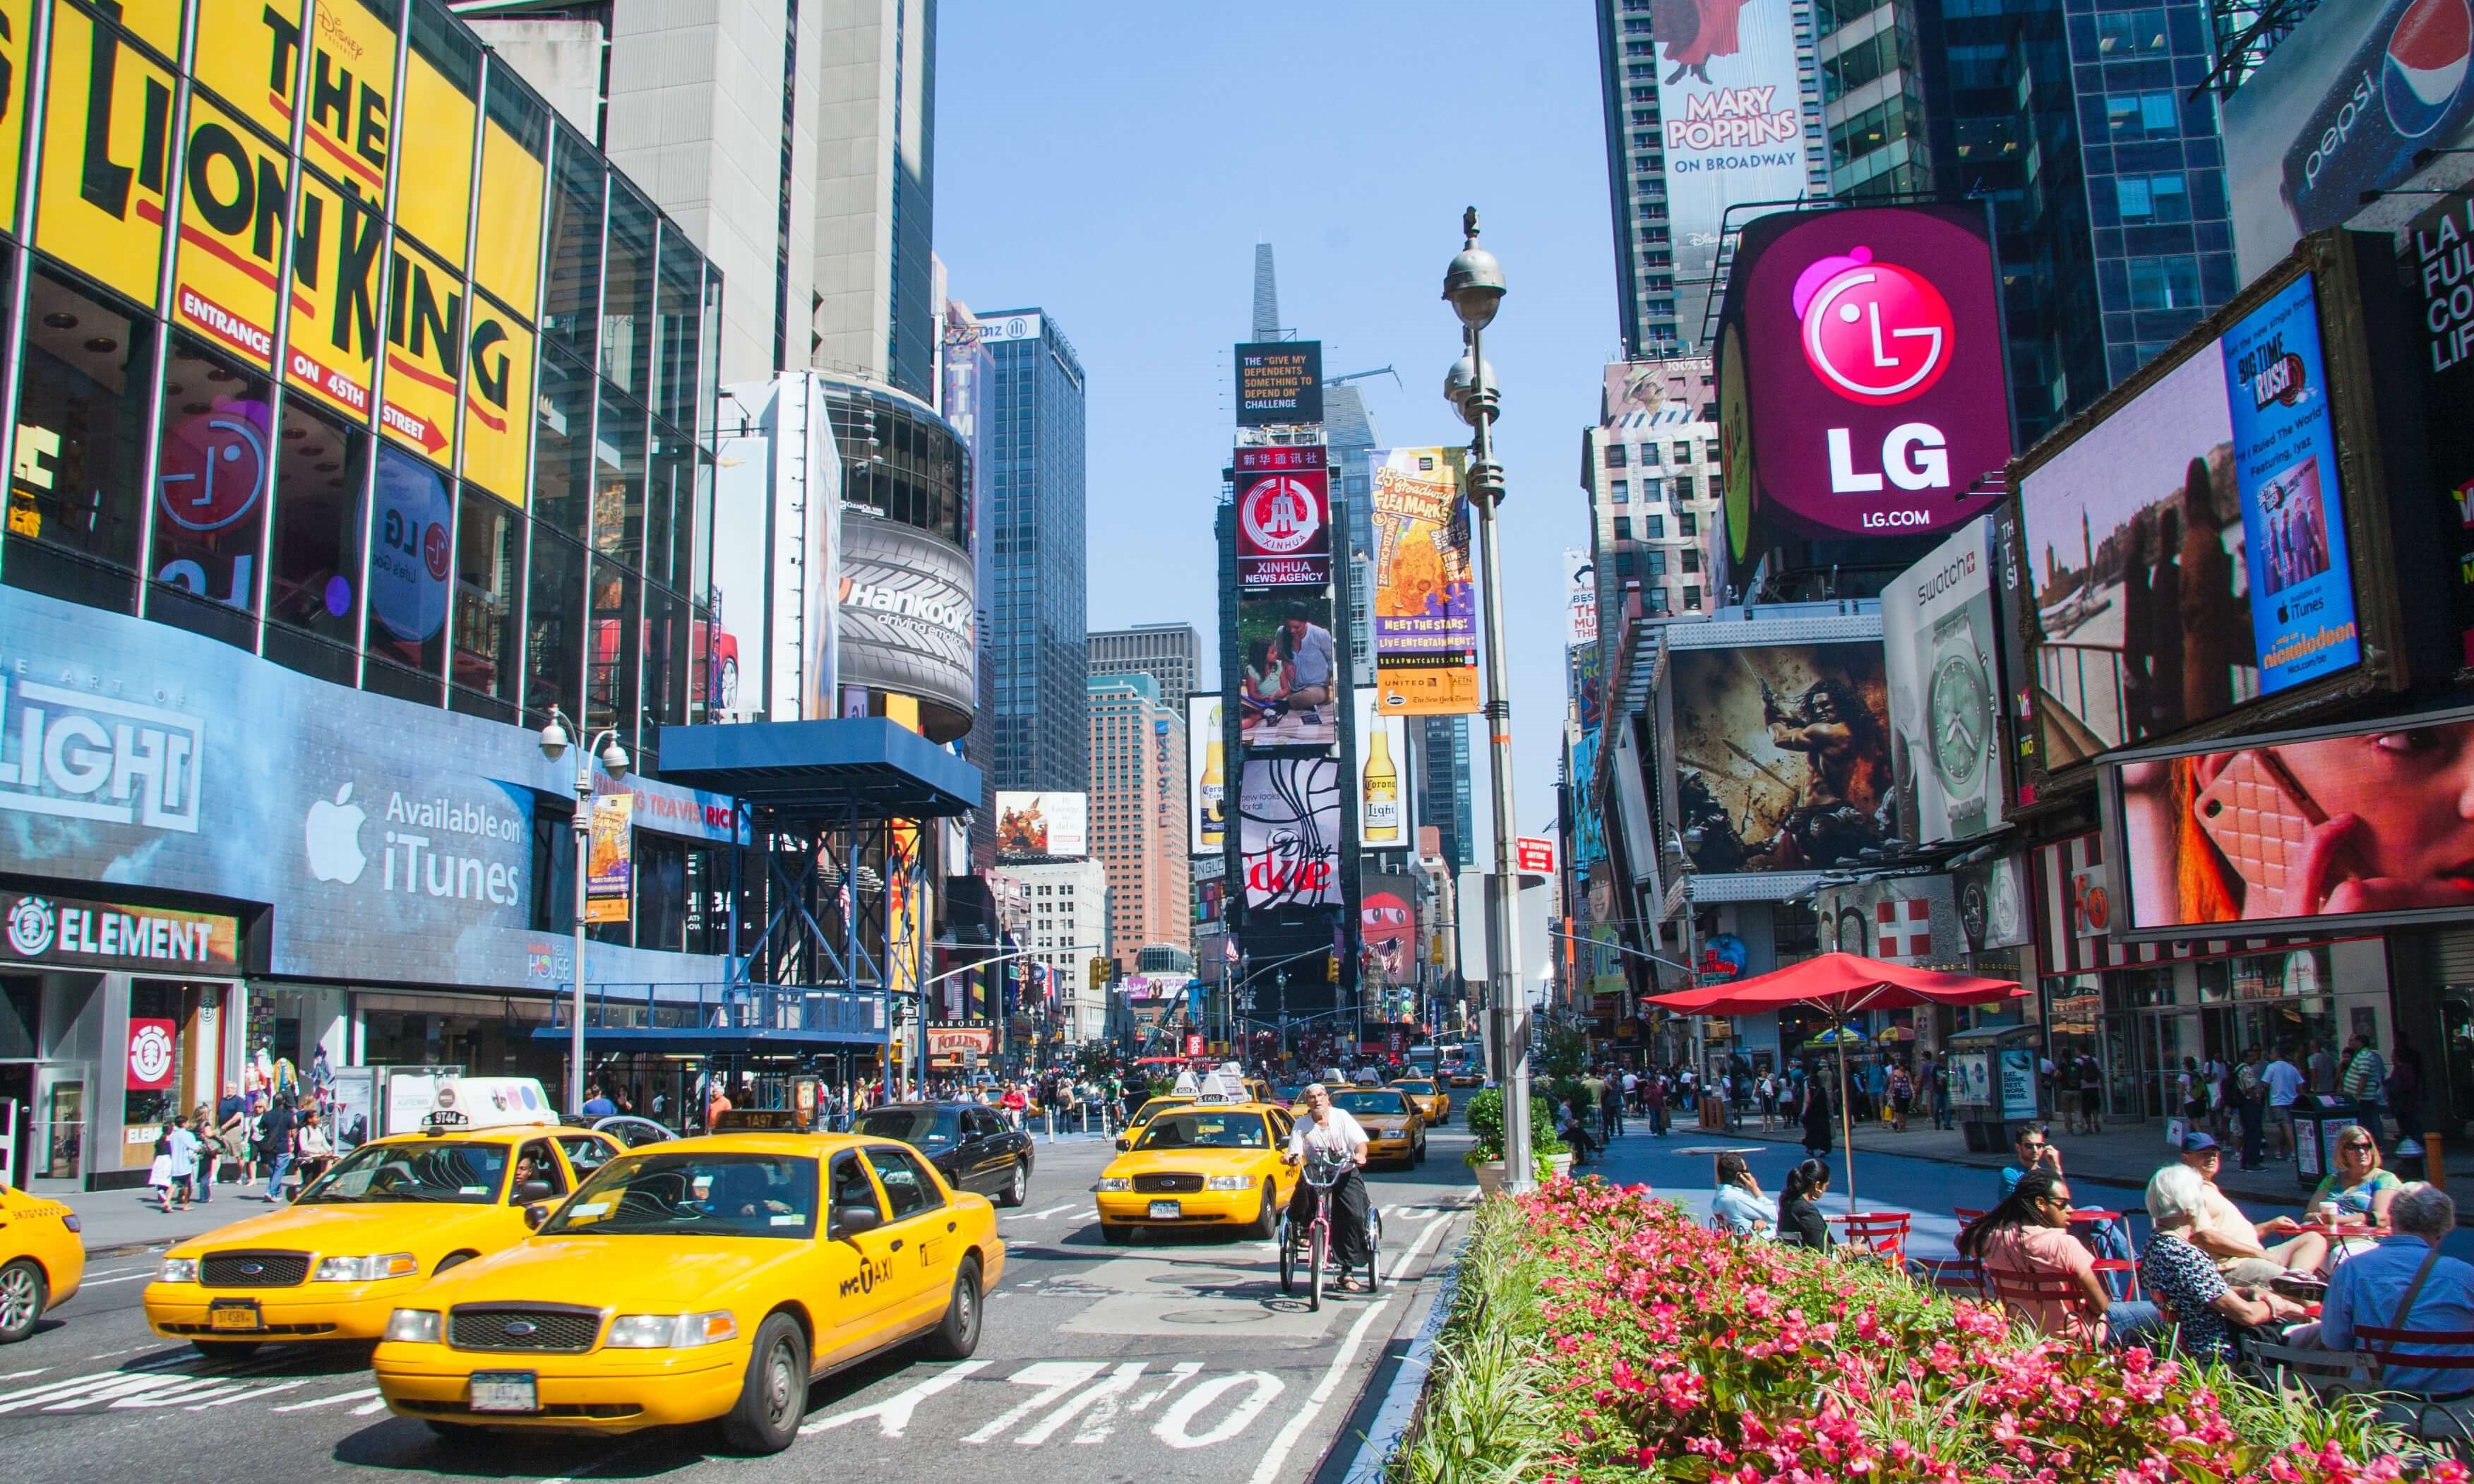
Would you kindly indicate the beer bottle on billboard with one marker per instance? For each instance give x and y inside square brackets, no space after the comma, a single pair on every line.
[1215,786]
[1380,790]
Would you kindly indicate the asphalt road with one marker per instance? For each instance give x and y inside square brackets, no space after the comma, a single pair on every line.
[1171,1359]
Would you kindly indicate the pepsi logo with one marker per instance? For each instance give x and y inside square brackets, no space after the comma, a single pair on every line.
[1874,332]
[2427,57]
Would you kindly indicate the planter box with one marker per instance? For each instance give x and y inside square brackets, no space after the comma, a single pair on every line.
[1489,1177]
[1559,1166]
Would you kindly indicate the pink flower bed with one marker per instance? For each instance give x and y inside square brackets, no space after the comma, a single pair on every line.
[1680,1353]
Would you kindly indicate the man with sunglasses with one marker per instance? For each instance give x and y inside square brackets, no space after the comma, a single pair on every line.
[2035,1150]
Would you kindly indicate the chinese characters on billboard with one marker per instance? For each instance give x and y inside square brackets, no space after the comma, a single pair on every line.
[2188,552]
[1781,755]
[1425,615]
[2359,822]
[1283,516]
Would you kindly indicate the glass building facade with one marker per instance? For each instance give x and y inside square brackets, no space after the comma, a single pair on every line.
[1038,613]
[463,460]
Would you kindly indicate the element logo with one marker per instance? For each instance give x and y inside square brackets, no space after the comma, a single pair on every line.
[1874,332]
[2427,56]
[1279,515]
[31,927]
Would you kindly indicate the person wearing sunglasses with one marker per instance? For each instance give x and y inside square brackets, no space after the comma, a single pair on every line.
[2237,1244]
[2359,1188]
[2035,1150]
[2028,1235]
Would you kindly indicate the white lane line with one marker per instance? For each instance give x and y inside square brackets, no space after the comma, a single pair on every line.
[106,1282]
[1270,1468]
[893,1414]
[147,1271]
[250,1394]
[1087,1213]
[13,1375]
[1433,1230]
[326,1402]
[1038,1215]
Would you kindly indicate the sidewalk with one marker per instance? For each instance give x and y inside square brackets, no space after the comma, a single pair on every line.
[2124,1155]
[128,1221]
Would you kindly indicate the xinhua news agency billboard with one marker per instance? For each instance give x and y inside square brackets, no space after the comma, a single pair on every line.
[1283,516]
[1860,384]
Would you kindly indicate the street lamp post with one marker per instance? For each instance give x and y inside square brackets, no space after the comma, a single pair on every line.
[1473,287]
[613,757]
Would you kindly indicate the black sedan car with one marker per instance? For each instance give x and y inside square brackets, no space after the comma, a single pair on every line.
[969,1144]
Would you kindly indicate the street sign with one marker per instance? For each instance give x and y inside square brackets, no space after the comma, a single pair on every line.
[1194,1045]
[1536,854]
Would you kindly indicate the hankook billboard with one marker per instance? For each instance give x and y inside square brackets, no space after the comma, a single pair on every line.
[1860,383]
[905,612]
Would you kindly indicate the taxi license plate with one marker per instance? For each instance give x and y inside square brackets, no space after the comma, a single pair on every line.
[505,1391]
[1167,1210]
[235,1314]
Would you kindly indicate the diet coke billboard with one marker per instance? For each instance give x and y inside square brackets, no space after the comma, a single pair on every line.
[1283,517]
[1860,383]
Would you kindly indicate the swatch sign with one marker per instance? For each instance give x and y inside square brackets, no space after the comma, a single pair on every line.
[1869,397]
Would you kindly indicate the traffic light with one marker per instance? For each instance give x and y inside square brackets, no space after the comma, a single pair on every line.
[1100,970]
[1331,967]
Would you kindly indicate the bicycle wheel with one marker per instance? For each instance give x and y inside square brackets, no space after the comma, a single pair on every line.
[1288,1240]
[1318,1239]
[1373,1249]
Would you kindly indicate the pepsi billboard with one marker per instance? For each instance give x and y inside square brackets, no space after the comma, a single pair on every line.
[2341,107]
[1861,389]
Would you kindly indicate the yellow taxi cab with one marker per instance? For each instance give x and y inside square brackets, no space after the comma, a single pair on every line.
[1432,1095]
[1394,1129]
[698,1279]
[1211,1162]
[41,1260]
[1151,1109]
[334,1263]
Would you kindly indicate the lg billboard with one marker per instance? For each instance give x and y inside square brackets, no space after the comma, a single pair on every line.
[1861,390]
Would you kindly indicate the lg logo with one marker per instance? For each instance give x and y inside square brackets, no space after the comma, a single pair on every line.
[1877,334]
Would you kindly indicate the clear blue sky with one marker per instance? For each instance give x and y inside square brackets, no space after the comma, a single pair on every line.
[1115,164]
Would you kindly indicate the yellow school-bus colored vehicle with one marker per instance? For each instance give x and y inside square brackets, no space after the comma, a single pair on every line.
[700,1279]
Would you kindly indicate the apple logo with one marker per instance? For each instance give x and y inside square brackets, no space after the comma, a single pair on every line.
[334,836]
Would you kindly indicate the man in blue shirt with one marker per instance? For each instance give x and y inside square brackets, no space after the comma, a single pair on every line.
[2034,1149]
[2370,1289]
[599,1104]
[1311,655]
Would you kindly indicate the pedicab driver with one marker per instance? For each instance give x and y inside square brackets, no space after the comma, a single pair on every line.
[1331,1131]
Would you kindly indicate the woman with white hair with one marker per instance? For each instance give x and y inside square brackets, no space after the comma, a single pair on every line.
[2183,1280]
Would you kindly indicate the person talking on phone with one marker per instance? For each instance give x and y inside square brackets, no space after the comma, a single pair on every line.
[1332,1130]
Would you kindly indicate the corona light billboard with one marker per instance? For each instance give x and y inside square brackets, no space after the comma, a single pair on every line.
[1860,384]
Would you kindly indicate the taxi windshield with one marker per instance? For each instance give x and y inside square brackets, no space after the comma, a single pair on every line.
[1158,1106]
[443,1170]
[1207,1130]
[1369,1101]
[1419,1088]
[921,1126]
[694,1194]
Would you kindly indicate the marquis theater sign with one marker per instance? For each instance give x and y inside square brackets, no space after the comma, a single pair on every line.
[1861,390]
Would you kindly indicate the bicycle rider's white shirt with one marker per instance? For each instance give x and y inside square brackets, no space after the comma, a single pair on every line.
[1338,1132]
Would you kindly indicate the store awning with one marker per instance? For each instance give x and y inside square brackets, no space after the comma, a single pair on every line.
[710,1040]
[823,770]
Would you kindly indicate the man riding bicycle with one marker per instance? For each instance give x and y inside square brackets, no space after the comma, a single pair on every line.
[1331,1131]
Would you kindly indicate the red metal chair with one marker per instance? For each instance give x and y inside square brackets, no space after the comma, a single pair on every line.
[1883,1233]
[2021,1292]
[1960,1277]
[1965,1215]
[2122,1265]
[2382,1345]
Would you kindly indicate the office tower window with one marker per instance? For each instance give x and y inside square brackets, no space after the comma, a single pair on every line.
[1688,524]
[1691,559]
[1684,487]
[1623,529]
[210,512]
[2150,200]
[1691,599]
[488,561]
[2163,283]
[2126,33]
[1652,527]
[1614,455]
[1620,491]
[2132,117]
[76,497]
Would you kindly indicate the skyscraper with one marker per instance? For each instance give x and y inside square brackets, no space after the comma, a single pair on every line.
[1039,623]
[1138,817]
[816,207]
[1169,653]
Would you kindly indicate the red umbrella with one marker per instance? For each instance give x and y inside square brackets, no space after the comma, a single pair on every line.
[1839,985]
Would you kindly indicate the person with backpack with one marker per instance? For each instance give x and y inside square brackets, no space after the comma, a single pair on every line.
[275,1130]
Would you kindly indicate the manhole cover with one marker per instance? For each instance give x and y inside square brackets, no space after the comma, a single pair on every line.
[1211,1317]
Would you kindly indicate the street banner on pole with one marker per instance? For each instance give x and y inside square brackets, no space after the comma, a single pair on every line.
[610,875]
[1425,609]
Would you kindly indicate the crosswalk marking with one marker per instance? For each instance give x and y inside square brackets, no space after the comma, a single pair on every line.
[1057,1378]
[1100,1401]
[893,1414]
[328,1402]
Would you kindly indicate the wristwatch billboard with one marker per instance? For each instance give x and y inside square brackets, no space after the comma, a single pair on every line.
[1958,722]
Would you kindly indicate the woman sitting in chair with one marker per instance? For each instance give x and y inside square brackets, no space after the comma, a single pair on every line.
[2041,1272]
[2184,1279]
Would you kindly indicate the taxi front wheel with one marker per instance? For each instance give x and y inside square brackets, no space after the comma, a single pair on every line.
[1266,1220]
[775,1395]
[22,1295]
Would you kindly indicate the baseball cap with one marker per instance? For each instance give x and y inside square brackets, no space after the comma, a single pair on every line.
[2194,1143]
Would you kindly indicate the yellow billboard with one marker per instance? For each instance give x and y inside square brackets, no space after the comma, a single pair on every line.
[332,346]
[249,52]
[237,199]
[17,53]
[1425,611]
[351,91]
[498,401]
[433,198]
[424,353]
[106,156]
[506,250]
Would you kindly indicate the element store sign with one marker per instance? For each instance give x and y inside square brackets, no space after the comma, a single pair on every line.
[110,936]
